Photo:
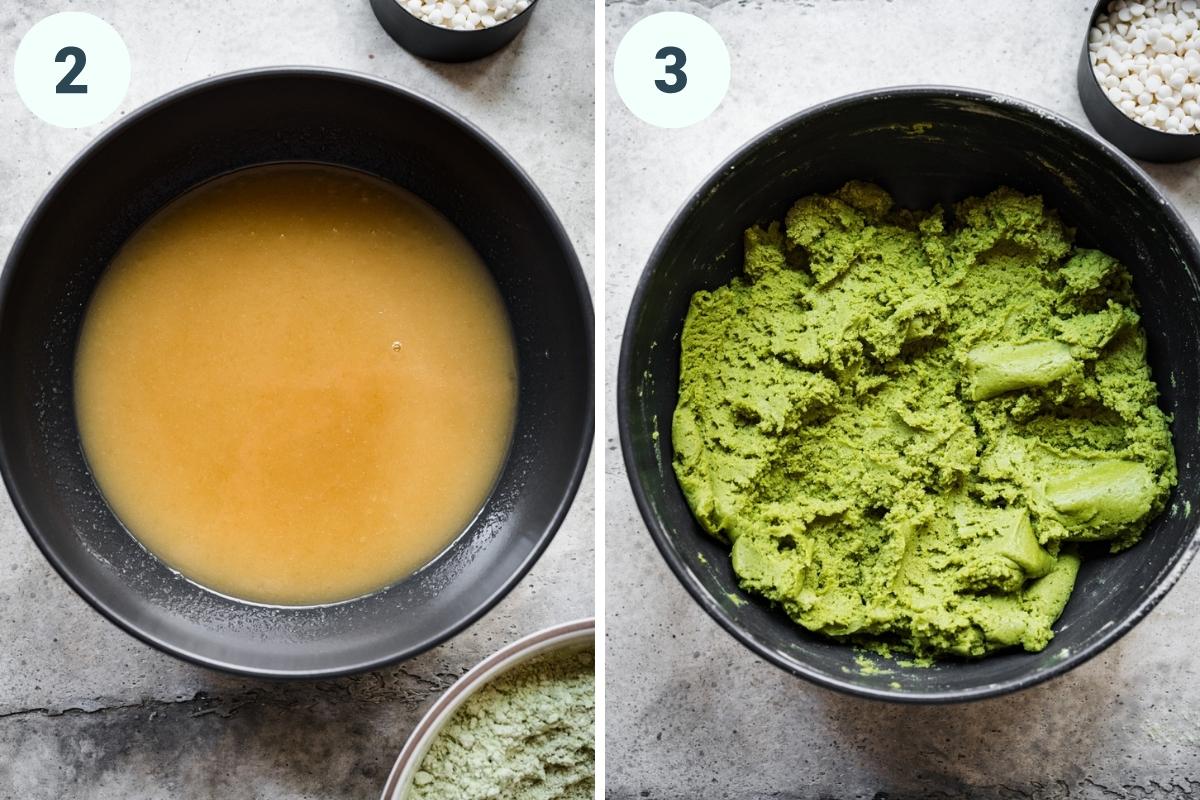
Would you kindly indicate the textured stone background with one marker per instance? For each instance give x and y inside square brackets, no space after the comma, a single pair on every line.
[691,713]
[88,712]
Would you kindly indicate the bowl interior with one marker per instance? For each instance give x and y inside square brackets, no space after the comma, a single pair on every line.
[925,146]
[263,117]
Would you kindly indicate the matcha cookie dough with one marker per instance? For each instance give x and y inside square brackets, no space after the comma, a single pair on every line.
[903,422]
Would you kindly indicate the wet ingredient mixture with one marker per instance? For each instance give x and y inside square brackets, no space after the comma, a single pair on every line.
[296,384]
[905,422]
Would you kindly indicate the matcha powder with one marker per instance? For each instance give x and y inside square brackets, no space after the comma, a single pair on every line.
[907,424]
[527,735]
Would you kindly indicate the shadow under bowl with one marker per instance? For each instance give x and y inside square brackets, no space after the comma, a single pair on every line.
[271,116]
[925,145]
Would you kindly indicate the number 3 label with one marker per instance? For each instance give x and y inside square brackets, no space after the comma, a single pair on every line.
[671,69]
[675,70]
[72,69]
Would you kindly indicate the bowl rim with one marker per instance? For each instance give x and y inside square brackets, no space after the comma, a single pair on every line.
[625,383]
[562,635]
[582,297]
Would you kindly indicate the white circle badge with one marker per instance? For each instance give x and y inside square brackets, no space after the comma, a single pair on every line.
[72,69]
[672,69]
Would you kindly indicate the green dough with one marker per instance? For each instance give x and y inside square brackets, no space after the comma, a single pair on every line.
[904,421]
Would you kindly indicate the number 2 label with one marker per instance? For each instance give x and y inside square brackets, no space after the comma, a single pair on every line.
[72,69]
[78,59]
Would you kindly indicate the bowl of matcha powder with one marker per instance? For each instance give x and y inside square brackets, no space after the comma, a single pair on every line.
[908,394]
[521,724]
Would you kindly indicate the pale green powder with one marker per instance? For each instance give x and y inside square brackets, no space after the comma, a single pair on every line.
[528,735]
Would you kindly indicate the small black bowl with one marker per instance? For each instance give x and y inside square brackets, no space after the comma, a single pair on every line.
[270,116]
[443,44]
[1130,136]
[925,145]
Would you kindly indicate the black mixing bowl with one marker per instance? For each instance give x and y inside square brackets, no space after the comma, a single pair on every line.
[443,44]
[926,145]
[258,117]
[1132,137]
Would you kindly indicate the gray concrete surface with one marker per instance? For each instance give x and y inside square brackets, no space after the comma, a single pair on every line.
[86,711]
[691,713]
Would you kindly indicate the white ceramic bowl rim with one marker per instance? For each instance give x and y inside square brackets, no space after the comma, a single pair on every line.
[440,713]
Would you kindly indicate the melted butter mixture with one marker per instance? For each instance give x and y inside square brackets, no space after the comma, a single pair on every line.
[296,384]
